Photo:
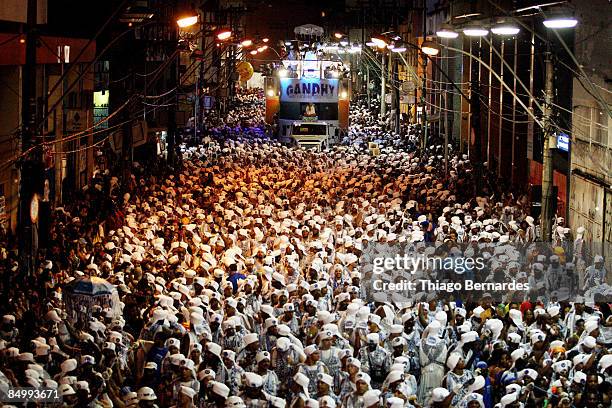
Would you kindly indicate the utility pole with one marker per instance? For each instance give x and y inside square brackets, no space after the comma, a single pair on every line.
[173,83]
[424,104]
[31,177]
[424,92]
[396,97]
[368,86]
[383,86]
[445,96]
[547,162]
[172,128]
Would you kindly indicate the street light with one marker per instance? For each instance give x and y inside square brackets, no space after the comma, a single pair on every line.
[254,52]
[555,22]
[224,34]
[430,48]
[187,19]
[246,43]
[474,30]
[446,31]
[265,40]
[379,41]
[505,29]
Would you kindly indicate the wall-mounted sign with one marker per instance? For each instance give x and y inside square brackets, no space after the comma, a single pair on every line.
[309,90]
[563,142]
[75,120]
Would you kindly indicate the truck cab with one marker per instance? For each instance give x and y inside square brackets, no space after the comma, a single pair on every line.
[311,135]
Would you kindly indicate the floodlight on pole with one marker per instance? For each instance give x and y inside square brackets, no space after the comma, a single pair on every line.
[187,21]
[505,29]
[475,30]
[430,48]
[555,22]
[446,31]
[379,41]
[224,34]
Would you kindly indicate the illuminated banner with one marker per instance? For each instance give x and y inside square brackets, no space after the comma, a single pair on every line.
[309,90]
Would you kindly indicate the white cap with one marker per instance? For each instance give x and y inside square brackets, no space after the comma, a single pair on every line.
[394,375]
[250,338]
[308,350]
[327,402]
[188,391]
[605,362]
[220,389]
[478,384]
[589,341]
[301,380]
[371,397]
[69,365]
[262,355]
[529,372]
[508,399]
[146,394]
[214,348]
[453,360]
[253,379]
[439,394]
[234,402]
[65,389]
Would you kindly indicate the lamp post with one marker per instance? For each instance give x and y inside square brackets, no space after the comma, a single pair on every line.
[184,20]
[381,42]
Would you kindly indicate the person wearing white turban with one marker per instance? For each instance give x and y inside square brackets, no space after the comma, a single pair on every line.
[432,353]
[458,377]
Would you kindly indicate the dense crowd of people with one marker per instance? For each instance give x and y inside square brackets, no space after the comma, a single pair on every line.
[237,282]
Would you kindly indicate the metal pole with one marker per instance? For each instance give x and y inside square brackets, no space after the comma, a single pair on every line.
[488,134]
[445,133]
[172,128]
[31,169]
[423,113]
[368,86]
[501,111]
[514,114]
[424,103]
[383,87]
[547,163]
[396,95]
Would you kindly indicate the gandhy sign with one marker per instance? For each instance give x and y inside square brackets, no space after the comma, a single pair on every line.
[309,90]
